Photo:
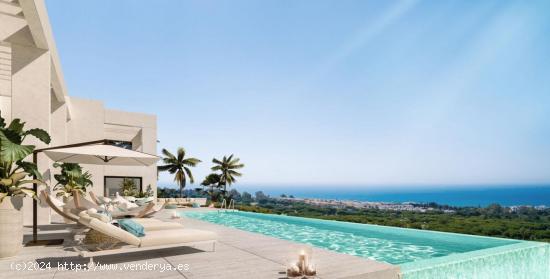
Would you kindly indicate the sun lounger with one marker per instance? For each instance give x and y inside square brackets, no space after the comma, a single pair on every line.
[149,224]
[67,215]
[153,240]
[136,212]
[93,197]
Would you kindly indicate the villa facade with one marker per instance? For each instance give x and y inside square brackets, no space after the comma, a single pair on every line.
[32,88]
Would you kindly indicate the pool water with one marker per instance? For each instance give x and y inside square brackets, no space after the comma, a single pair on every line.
[420,253]
[386,244]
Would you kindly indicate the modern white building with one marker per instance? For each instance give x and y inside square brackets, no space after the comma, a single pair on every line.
[32,88]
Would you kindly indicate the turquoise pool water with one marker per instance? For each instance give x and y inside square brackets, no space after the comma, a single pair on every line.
[420,253]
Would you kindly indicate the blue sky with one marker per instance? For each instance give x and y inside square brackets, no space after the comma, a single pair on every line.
[326,92]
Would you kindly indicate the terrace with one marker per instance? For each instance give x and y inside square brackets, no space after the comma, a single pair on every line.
[239,254]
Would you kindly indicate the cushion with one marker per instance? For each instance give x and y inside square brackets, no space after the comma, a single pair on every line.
[176,236]
[123,203]
[103,199]
[157,226]
[144,201]
[132,227]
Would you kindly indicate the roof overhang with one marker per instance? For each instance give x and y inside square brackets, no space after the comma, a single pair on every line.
[36,15]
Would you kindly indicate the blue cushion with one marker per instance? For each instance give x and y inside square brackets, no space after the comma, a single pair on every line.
[132,227]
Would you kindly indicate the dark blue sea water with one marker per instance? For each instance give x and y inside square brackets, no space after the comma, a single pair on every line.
[450,195]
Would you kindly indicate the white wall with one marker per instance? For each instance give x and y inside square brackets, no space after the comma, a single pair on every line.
[32,88]
[30,102]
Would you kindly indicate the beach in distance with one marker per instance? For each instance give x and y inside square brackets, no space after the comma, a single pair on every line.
[509,195]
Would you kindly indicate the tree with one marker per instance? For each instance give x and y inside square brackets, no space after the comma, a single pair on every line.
[179,166]
[129,187]
[227,166]
[213,184]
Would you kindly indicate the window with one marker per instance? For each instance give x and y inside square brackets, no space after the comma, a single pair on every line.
[121,143]
[113,184]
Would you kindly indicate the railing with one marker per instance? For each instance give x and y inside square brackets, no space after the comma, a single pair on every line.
[227,207]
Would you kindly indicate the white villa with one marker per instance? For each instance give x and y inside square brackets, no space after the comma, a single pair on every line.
[32,88]
[92,235]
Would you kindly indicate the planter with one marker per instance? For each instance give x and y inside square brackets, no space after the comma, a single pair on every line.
[11,226]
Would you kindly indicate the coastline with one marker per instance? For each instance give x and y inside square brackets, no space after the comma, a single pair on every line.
[458,196]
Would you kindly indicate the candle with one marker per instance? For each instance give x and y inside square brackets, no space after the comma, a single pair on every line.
[302,261]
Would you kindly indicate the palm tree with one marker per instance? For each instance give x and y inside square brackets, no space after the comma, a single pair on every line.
[179,166]
[211,186]
[228,167]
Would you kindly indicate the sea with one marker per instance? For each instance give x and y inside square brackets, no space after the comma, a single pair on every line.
[471,195]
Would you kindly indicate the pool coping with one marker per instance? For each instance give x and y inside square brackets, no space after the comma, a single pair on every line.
[468,256]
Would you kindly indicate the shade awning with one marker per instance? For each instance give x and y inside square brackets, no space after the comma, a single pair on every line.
[101,154]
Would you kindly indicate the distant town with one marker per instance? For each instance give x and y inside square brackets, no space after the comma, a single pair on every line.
[394,206]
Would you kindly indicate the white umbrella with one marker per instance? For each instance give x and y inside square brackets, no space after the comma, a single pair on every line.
[101,154]
[94,152]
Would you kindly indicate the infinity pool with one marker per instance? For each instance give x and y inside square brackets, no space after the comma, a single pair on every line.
[413,250]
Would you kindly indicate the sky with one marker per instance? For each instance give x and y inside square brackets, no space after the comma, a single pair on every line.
[325,93]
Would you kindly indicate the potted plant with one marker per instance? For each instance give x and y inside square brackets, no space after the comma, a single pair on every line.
[71,178]
[14,173]
[129,188]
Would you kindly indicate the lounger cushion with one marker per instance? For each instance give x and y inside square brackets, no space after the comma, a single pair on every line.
[103,199]
[108,229]
[152,224]
[123,203]
[157,226]
[176,236]
[144,201]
